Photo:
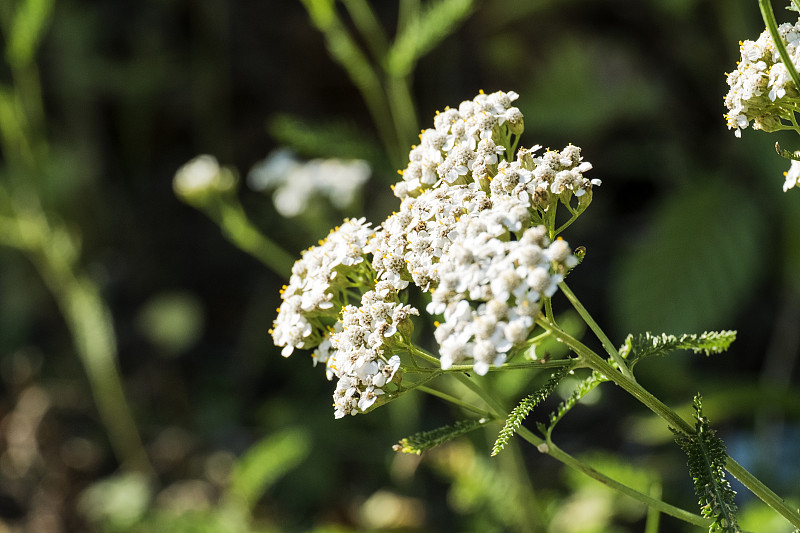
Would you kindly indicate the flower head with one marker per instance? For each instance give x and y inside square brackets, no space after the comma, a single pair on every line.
[470,230]
[761,90]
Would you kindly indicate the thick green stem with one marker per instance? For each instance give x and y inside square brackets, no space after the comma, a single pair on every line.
[595,362]
[674,420]
[764,493]
[772,25]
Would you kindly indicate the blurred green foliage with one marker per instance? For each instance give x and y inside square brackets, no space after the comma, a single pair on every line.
[688,232]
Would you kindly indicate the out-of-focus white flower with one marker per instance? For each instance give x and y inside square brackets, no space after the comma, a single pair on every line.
[202,176]
[296,183]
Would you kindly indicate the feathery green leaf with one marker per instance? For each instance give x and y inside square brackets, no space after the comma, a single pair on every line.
[648,345]
[707,457]
[584,387]
[419,442]
[422,35]
[515,418]
[324,139]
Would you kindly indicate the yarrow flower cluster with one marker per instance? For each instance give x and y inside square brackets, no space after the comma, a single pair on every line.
[475,229]
[317,285]
[761,89]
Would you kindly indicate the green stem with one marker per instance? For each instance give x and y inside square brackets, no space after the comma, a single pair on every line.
[89,321]
[764,493]
[548,310]
[495,407]
[563,457]
[772,25]
[529,365]
[455,401]
[241,232]
[344,51]
[569,222]
[367,23]
[607,344]
[597,363]
[424,354]
[403,110]
[648,500]
[653,513]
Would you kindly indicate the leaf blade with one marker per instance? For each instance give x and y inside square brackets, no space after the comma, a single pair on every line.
[425,440]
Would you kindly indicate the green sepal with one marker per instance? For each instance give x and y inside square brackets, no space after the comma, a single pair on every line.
[425,440]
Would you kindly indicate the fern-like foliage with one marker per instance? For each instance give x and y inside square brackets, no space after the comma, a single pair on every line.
[324,139]
[432,26]
[424,440]
[707,457]
[584,387]
[648,345]
[514,420]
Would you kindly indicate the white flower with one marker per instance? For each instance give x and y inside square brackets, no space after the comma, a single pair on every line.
[297,183]
[314,283]
[200,176]
[761,89]
[792,176]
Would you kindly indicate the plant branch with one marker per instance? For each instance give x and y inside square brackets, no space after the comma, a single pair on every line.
[772,25]
[607,344]
[551,449]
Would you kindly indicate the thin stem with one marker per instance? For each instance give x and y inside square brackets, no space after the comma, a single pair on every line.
[528,365]
[772,25]
[653,513]
[548,310]
[455,401]
[367,23]
[89,321]
[403,109]
[495,407]
[563,457]
[344,51]
[239,230]
[424,354]
[607,344]
[569,222]
[597,363]
[648,500]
